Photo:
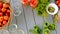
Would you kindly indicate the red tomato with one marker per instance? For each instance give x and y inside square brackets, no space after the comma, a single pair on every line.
[57,2]
[25,2]
[4,22]
[1,18]
[33,3]
[0,10]
[8,11]
[5,5]
[6,17]
[1,5]
[1,13]
[3,9]
[7,14]
[0,24]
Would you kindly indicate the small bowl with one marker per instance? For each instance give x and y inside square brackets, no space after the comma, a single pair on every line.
[54,6]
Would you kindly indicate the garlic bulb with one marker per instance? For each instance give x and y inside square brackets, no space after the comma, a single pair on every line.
[57,17]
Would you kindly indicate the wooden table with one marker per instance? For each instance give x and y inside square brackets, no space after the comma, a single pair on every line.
[28,18]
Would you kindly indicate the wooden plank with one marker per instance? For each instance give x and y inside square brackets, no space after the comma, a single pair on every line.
[13,18]
[52,32]
[20,21]
[39,19]
[58,28]
[29,18]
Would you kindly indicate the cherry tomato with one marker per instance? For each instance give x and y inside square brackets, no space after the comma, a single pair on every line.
[8,11]
[25,2]
[5,5]
[1,5]
[4,22]
[58,3]
[33,3]
[8,14]
[0,24]
[6,17]
[1,18]
[1,13]
[3,10]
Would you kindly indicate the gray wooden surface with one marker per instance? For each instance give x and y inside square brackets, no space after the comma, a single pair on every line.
[28,18]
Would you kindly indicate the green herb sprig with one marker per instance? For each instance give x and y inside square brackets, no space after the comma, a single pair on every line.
[47,27]
[41,7]
[36,30]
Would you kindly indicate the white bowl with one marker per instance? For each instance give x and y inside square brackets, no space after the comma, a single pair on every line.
[54,6]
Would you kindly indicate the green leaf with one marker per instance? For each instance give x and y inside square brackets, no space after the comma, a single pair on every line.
[39,13]
[44,15]
[52,26]
[46,31]
[36,30]
[41,7]
[45,25]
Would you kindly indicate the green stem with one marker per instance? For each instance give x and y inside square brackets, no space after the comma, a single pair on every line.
[44,19]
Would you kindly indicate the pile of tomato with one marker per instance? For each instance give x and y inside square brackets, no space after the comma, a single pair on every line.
[58,3]
[4,13]
[32,3]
